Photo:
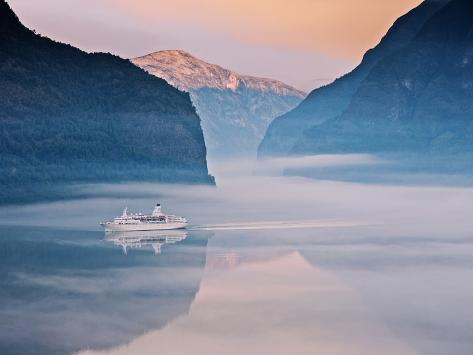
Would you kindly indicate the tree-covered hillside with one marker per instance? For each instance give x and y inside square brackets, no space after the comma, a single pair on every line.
[418,99]
[69,116]
[329,102]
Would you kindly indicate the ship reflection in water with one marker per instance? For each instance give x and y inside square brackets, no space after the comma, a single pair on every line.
[154,240]
[79,291]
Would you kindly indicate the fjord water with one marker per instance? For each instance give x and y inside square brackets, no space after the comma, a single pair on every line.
[271,265]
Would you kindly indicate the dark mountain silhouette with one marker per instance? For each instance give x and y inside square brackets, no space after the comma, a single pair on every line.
[331,101]
[69,116]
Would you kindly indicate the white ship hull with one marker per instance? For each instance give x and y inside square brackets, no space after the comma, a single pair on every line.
[114,227]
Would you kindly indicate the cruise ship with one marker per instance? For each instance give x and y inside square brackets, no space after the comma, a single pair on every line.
[140,222]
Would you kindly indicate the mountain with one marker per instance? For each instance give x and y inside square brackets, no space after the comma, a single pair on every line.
[235,109]
[69,116]
[330,101]
[419,99]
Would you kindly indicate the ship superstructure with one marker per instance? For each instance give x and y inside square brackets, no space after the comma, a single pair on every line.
[141,222]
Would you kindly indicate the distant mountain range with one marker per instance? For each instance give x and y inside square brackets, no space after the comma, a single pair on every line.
[69,116]
[235,109]
[411,93]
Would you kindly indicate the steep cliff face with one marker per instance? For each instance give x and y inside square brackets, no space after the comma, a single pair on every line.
[328,102]
[235,109]
[69,116]
[418,99]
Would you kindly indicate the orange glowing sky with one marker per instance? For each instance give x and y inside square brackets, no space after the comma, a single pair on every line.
[340,27]
[302,42]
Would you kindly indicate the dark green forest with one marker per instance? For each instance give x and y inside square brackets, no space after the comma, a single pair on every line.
[411,95]
[67,116]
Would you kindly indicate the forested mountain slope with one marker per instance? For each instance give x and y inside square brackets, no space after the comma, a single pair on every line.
[331,101]
[69,116]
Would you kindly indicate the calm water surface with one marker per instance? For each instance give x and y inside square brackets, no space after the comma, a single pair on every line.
[272,266]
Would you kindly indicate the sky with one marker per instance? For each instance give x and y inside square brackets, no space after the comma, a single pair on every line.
[305,43]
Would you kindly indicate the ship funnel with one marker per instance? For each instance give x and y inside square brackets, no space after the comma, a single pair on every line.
[157,211]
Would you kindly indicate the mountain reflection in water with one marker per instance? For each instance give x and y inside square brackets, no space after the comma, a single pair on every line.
[62,291]
[280,305]
[294,266]
[328,291]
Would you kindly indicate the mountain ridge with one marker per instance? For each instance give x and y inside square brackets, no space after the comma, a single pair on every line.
[235,109]
[196,73]
[415,100]
[73,117]
[331,100]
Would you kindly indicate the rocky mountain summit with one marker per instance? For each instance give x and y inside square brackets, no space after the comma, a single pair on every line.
[186,72]
[235,109]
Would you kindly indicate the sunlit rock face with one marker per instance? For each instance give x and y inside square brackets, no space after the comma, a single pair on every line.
[70,116]
[285,134]
[235,109]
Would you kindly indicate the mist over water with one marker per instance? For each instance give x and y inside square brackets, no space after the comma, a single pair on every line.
[271,264]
